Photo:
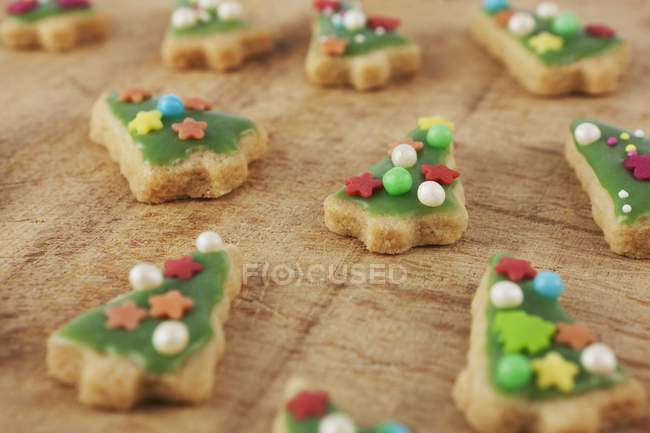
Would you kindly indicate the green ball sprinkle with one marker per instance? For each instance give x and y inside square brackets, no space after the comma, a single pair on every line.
[397,181]
[566,24]
[513,372]
[439,136]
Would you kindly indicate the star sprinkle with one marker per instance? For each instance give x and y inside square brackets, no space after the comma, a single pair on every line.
[145,122]
[386,23]
[126,316]
[363,185]
[515,270]
[135,95]
[600,31]
[639,165]
[545,42]
[574,335]
[172,305]
[333,46]
[308,404]
[417,145]
[554,370]
[197,104]
[21,7]
[425,123]
[183,268]
[520,331]
[190,129]
[439,173]
[502,18]
[327,5]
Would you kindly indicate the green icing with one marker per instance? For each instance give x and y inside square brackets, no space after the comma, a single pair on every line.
[47,10]
[549,310]
[163,147]
[371,42]
[607,163]
[202,28]
[206,289]
[575,48]
[407,204]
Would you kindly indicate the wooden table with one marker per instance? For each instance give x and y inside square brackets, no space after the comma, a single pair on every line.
[71,229]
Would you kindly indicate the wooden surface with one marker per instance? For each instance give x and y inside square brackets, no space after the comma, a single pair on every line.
[70,229]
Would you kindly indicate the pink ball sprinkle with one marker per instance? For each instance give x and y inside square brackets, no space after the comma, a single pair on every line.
[612,141]
[71,4]
[21,7]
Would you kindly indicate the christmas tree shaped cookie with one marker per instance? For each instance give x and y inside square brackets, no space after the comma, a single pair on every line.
[413,197]
[531,367]
[549,51]
[309,410]
[172,147]
[54,25]
[212,34]
[613,166]
[161,341]
[350,48]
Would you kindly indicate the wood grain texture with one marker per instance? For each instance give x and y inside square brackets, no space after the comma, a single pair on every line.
[71,230]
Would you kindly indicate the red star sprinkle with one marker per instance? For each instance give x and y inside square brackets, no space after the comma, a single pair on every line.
[600,31]
[333,46]
[516,270]
[325,5]
[386,23]
[172,305]
[439,173]
[21,7]
[502,18]
[197,104]
[574,335]
[639,165]
[183,268]
[190,129]
[363,185]
[126,316]
[308,404]
[135,95]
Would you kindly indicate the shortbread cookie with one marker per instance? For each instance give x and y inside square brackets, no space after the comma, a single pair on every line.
[310,410]
[161,341]
[212,34]
[550,52]
[349,48]
[613,166]
[54,25]
[411,198]
[170,148]
[532,368]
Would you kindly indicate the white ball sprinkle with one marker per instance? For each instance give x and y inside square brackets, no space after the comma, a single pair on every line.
[639,133]
[337,423]
[229,11]
[354,19]
[587,133]
[359,38]
[547,10]
[431,194]
[170,337]
[145,276]
[506,294]
[599,359]
[626,208]
[380,31]
[404,155]
[209,242]
[184,18]
[623,194]
[521,24]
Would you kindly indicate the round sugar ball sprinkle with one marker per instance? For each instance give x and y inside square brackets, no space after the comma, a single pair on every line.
[431,194]
[623,194]
[229,11]
[337,423]
[209,242]
[506,294]
[626,208]
[639,133]
[521,24]
[392,427]
[566,24]
[354,19]
[587,133]
[145,276]
[404,155]
[495,5]
[513,371]
[547,10]
[439,136]
[170,337]
[548,284]
[183,18]
[397,181]
[171,106]
[598,359]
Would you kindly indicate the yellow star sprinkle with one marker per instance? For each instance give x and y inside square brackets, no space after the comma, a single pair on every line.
[554,370]
[545,41]
[425,123]
[145,122]
[625,136]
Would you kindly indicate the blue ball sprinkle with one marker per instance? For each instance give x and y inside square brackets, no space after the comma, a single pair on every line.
[495,5]
[171,106]
[392,427]
[548,285]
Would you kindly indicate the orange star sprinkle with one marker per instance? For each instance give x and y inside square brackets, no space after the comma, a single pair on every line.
[190,129]
[172,305]
[417,145]
[135,95]
[333,46]
[126,316]
[503,17]
[576,336]
[197,104]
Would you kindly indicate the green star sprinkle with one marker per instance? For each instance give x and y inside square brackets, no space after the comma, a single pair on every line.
[519,331]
